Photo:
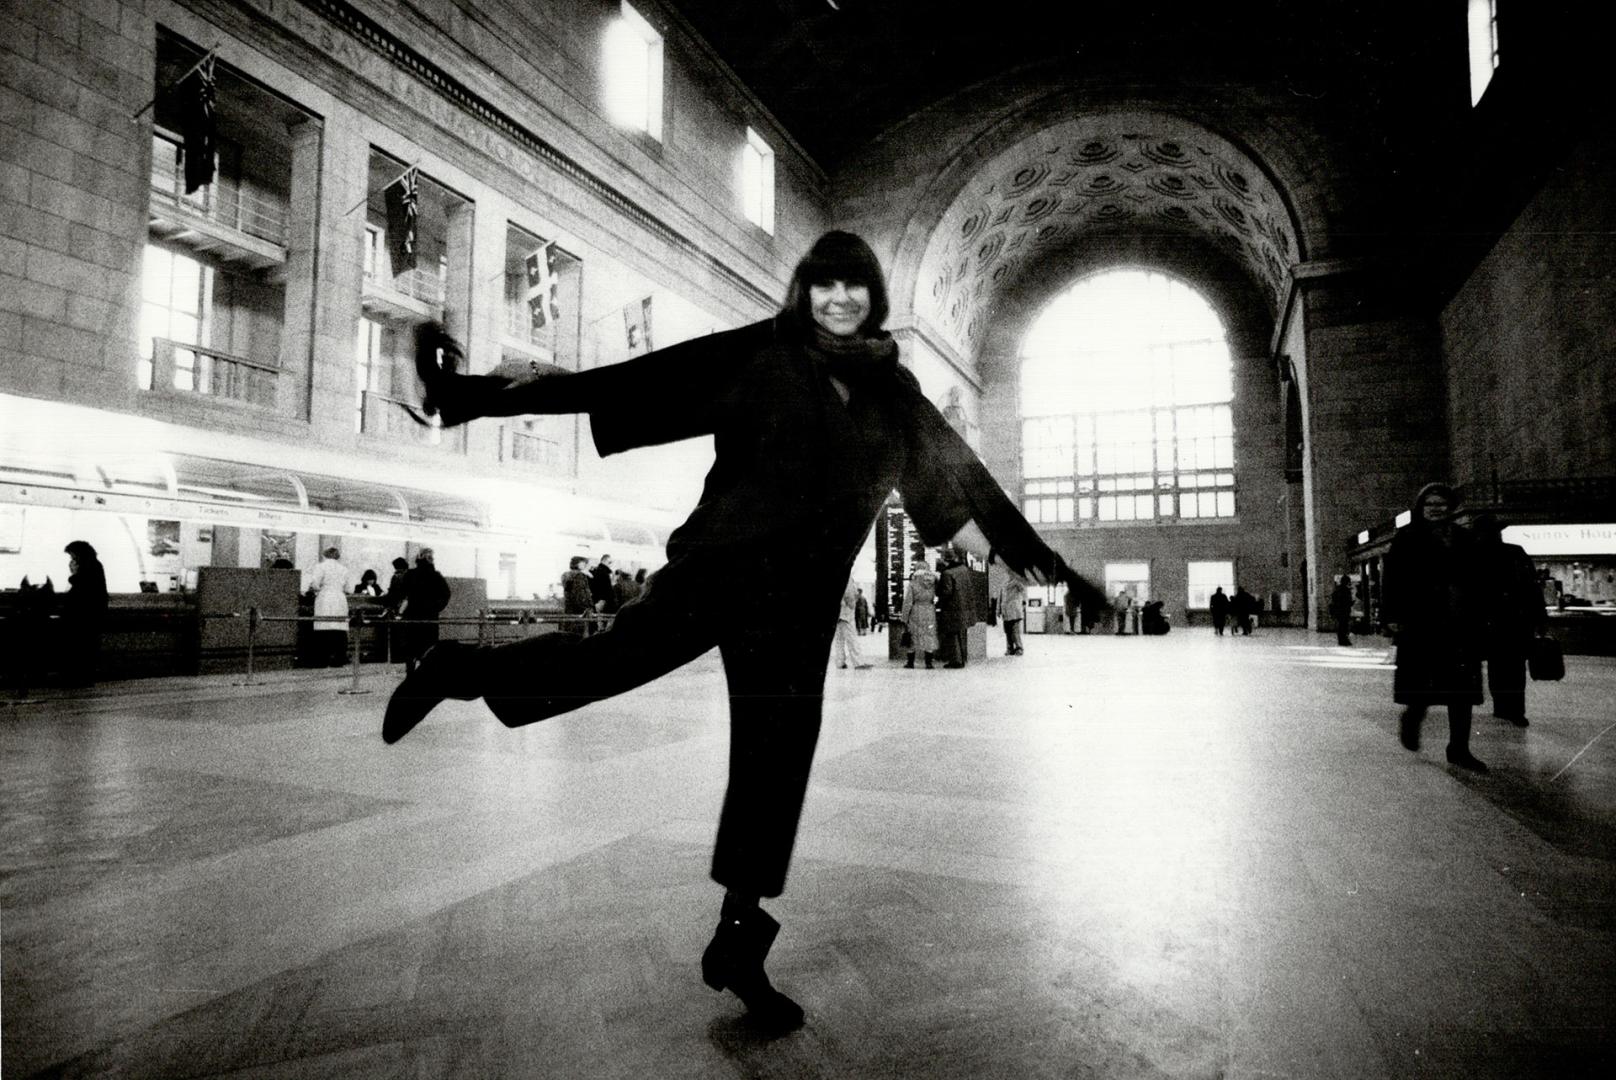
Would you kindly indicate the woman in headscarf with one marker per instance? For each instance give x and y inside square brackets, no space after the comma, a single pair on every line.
[84,611]
[814,423]
[920,612]
[1434,613]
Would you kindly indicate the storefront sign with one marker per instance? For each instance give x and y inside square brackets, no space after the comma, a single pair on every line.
[1563,539]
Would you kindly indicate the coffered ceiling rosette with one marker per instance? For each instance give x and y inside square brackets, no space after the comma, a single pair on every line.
[1114,172]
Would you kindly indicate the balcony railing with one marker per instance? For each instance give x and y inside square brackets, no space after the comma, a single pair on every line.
[223,202]
[195,369]
[421,284]
[531,448]
[389,418]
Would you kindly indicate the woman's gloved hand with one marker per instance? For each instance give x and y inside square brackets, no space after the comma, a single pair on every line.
[446,393]
[455,398]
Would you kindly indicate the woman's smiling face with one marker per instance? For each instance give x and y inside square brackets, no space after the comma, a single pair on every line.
[1436,508]
[839,307]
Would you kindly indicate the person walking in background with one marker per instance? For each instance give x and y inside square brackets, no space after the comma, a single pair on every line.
[426,594]
[1013,610]
[84,614]
[330,583]
[861,613]
[624,589]
[955,612]
[1076,621]
[1513,614]
[1244,608]
[845,646]
[814,424]
[1153,618]
[1434,601]
[392,600]
[395,585]
[1124,606]
[920,612]
[1219,606]
[368,585]
[577,596]
[1341,609]
[600,588]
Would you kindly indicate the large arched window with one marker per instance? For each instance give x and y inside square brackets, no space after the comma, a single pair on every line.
[1126,387]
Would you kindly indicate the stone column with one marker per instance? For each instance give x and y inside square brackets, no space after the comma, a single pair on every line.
[338,275]
[1374,409]
[302,246]
[460,251]
[485,316]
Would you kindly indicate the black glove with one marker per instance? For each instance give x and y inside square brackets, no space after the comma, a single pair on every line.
[447,394]
[455,398]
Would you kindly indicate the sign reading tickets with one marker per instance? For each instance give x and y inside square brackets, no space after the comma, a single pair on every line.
[1563,539]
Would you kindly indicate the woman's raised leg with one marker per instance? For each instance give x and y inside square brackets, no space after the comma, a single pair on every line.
[670,624]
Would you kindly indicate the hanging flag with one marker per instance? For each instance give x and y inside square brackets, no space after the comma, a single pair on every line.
[402,195]
[637,327]
[541,287]
[197,126]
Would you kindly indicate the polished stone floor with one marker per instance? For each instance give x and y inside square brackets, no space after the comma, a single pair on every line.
[1112,857]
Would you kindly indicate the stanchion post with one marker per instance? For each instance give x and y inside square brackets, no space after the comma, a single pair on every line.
[353,687]
[252,641]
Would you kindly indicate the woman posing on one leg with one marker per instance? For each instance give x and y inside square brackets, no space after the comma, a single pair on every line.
[814,424]
[1433,607]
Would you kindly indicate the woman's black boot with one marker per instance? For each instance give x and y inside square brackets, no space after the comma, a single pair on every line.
[443,671]
[734,960]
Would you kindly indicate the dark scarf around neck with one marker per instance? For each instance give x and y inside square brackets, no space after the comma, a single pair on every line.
[854,360]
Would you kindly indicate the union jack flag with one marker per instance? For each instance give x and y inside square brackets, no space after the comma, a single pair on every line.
[402,208]
[198,128]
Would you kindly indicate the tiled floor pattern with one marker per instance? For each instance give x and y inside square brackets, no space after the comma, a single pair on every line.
[1174,857]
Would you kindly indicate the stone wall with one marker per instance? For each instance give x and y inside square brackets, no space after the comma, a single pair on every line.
[1527,342]
[646,218]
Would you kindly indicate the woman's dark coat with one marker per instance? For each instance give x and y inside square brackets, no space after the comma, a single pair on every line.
[794,465]
[798,477]
[84,613]
[1434,592]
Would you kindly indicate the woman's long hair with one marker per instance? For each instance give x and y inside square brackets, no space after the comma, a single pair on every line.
[837,256]
[82,551]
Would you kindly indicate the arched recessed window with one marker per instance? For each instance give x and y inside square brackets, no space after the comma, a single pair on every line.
[633,74]
[1126,391]
[1483,25]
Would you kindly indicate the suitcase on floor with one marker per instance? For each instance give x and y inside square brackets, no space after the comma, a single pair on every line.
[1545,661]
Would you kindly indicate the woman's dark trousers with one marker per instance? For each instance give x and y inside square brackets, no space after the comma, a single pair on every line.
[775,667]
[1506,681]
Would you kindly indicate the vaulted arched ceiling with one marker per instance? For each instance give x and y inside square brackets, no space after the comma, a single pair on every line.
[1114,171]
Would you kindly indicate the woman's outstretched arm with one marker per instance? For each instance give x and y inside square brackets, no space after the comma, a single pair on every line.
[674,393]
[951,494]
